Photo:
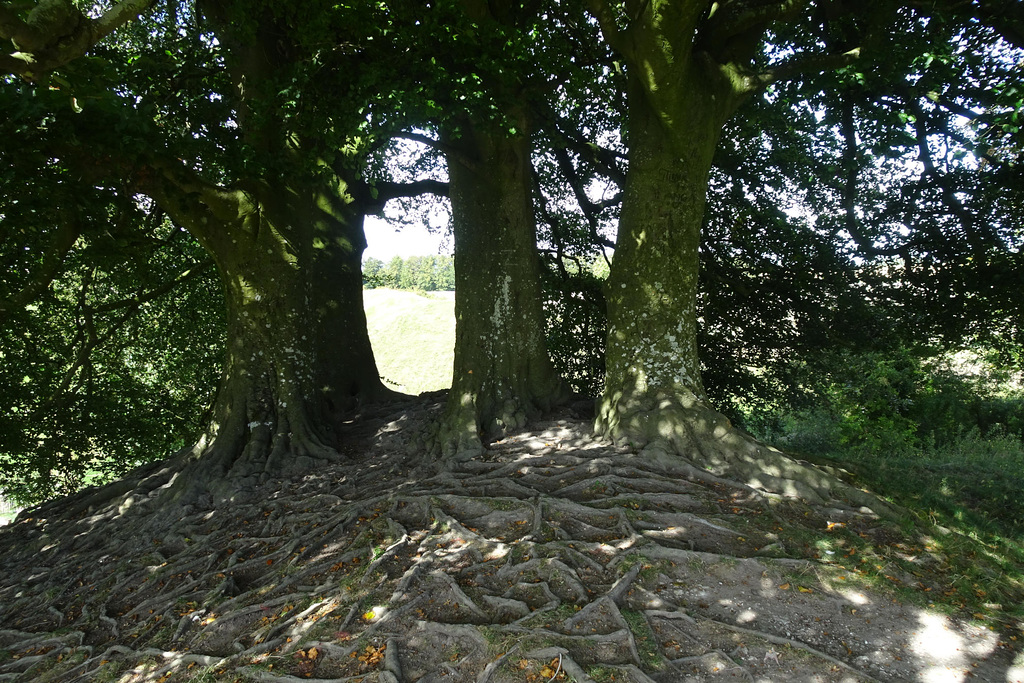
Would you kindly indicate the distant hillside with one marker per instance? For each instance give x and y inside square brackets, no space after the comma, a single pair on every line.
[413,337]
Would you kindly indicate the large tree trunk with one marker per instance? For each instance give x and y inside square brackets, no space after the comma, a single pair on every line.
[652,290]
[678,101]
[654,399]
[288,243]
[298,356]
[503,374]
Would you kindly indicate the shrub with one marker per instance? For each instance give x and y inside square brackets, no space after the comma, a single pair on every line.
[896,402]
[575,327]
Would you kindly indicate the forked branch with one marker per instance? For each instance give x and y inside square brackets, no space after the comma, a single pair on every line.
[55,32]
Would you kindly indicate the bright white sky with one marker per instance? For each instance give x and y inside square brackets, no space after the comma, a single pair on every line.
[384,242]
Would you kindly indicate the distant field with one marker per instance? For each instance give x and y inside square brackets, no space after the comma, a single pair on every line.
[413,337]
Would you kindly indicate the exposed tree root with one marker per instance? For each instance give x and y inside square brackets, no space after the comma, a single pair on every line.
[682,436]
[789,642]
[552,556]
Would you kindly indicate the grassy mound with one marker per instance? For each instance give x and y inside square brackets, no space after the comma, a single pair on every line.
[413,337]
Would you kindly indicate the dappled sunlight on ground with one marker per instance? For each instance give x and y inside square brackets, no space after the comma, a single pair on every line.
[553,556]
[946,653]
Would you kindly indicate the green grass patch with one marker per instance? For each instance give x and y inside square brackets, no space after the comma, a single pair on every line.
[643,636]
[965,539]
[603,674]
[413,337]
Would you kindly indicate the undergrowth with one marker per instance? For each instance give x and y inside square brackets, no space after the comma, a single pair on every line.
[948,450]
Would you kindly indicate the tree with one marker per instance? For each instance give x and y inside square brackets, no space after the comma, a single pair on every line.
[287,239]
[395,273]
[503,374]
[115,362]
[780,282]
[250,124]
[272,191]
[690,65]
[373,273]
[445,269]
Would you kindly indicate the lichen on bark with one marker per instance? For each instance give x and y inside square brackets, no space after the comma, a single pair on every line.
[298,361]
[502,374]
[679,99]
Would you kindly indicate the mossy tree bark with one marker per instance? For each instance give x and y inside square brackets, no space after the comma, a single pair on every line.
[298,357]
[686,78]
[503,374]
[287,237]
[652,290]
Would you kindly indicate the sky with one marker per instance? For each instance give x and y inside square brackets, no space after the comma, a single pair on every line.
[384,242]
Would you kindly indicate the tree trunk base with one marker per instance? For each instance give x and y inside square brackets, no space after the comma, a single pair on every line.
[680,434]
[557,552]
[470,422]
[460,435]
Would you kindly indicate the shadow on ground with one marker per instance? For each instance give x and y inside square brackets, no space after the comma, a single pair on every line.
[554,557]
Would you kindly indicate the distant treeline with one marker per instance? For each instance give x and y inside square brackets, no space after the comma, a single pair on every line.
[426,273]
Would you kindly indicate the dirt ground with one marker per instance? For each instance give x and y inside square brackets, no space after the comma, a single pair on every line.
[556,556]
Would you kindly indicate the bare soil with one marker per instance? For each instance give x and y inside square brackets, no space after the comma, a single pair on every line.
[556,556]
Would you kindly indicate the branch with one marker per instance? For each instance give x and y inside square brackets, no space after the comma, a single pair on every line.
[209,212]
[850,191]
[386,191]
[13,28]
[731,18]
[56,32]
[924,154]
[908,99]
[541,206]
[117,16]
[954,108]
[1005,16]
[799,66]
[137,301]
[220,201]
[605,16]
[908,92]
[450,151]
[425,140]
[591,210]
[980,151]
[606,160]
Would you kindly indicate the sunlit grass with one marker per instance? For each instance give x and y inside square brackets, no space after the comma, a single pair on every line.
[965,534]
[413,337]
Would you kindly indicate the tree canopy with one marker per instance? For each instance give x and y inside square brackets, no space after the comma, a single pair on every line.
[778,176]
